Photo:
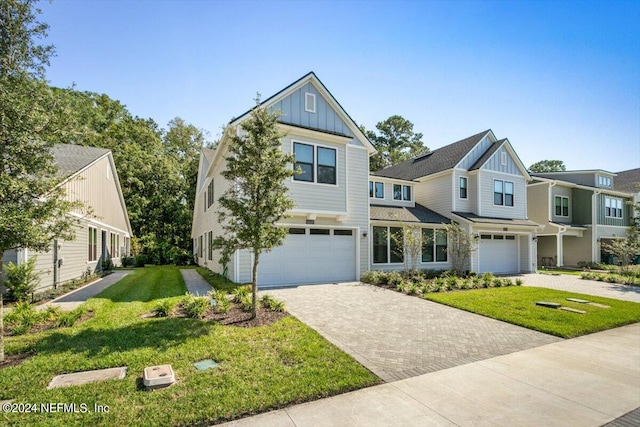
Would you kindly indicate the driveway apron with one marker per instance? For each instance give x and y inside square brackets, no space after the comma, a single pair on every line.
[398,336]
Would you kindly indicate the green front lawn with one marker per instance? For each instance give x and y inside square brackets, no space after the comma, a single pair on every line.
[517,305]
[260,368]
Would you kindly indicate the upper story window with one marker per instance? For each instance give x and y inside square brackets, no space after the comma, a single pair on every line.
[502,193]
[402,192]
[562,206]
[210,194]
[604,181]
[376,190]
[463,187]
[309,102]
[322,170]
[612,207]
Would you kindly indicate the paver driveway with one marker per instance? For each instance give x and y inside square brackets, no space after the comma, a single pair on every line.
[398,336]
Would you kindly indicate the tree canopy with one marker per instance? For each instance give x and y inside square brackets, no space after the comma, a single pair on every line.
[395,141]
[548,166]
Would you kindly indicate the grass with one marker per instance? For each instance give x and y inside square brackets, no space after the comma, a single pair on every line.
[216,280]
[260,368]
[517,305]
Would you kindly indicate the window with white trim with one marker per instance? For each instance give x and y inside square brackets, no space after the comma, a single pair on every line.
[463,187]
[503,158]
[210,247]
[113,245]
[612,207]
[385,249]
[93,244]
[503,192]
[210,194]
[402,192]
[309,102]
[318,164]
[604,181]
[434,245]
[561,206]
[376,190]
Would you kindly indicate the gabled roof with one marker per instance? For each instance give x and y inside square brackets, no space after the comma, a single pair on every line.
[208,153]
[311,77]
[487,154]
[436,161]
[419,214]
[72,158]
[627,181]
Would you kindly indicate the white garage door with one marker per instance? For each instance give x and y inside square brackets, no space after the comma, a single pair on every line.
[498,253]
[310,255]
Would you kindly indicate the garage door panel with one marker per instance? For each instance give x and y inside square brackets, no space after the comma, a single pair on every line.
[307,258]
[499,255]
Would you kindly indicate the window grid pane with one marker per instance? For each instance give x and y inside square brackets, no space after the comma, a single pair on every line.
[397,192]
[379,190]
[406,193]
[380,245]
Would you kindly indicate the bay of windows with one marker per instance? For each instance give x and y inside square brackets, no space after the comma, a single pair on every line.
[401,192]
[612,207]
[386,250]
[502,193]
[318,164]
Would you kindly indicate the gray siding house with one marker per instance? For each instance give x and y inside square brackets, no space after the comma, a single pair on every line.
[580,211]
[478,182]
[328,239]
[89,175]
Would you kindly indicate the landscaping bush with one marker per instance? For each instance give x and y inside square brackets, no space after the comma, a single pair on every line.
[22,318]
[140,260]
[195,307]
[128,261]
[107,265]
[222,302]
[239,293]
[66,319]
[163,308]
[272,304]
[394,278]
[21,280]
[246,302]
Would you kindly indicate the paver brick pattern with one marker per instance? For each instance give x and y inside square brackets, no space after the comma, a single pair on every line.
[398,336]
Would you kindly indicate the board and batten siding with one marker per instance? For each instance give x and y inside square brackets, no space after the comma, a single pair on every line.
[495,163]
[436,194]
[605,220]
[476,152]
[97,188]
[325,118]
[517,211]
[581,206]
[319,197]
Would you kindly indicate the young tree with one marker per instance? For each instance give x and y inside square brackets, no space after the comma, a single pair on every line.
[460,245]
[33,210]
[257,198]
[395,141]
[408,244]
[548,166]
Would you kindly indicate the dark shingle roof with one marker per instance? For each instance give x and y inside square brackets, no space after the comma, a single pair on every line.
[72,158]
[436,161]
[627,181]
[406,214]
[487,154]
[492,220]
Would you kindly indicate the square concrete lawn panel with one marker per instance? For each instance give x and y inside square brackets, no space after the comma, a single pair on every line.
[78,378]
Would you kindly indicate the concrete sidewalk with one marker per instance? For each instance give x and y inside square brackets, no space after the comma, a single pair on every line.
[194,282]
[75,298]
[585,381]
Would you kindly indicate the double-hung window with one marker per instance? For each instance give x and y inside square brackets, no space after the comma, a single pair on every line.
[318,164]
[612,207]
[434,245]
[562,206]
[502,193]
[385,247]
[402,192]
[93,243]
[210,194]
[463,187]
[376,190]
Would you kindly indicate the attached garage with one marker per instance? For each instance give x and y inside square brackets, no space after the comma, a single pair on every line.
[310,255]
[498,253]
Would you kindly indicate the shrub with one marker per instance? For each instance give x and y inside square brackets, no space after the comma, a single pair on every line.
[140,260]
[239,293]
[519,282]
[246,302]
[394,278]
[163,308]
[128,261]
[222,302]
[107,264]
[452,282]
[272,304]
[374,277]
[69,318]
[21,280]
[21,318]
[195,307]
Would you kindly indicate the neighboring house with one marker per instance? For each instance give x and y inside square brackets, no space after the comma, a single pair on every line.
[89,175]
[579,211]
[478,182]
[328,238]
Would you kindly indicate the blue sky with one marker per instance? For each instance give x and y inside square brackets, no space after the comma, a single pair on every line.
[559,79]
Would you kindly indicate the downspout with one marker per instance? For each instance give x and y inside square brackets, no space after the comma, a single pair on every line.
[595,249]
[561,229]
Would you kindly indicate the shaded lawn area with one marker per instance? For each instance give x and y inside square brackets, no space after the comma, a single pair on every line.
[260,368]
[218,281]
[517,305]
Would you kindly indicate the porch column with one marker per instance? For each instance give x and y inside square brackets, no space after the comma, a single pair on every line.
[559,250]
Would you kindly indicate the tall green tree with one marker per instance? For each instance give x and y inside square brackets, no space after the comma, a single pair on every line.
[548,166]
[250,208]
[33,209]
[395,141]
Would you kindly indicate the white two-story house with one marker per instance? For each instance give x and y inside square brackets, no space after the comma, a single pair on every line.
[328,237]
[478,182]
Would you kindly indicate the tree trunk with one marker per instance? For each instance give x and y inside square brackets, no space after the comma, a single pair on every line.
[1,311]
[254,284]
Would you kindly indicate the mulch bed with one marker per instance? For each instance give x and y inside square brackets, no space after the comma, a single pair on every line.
[14,360]
[234,317]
